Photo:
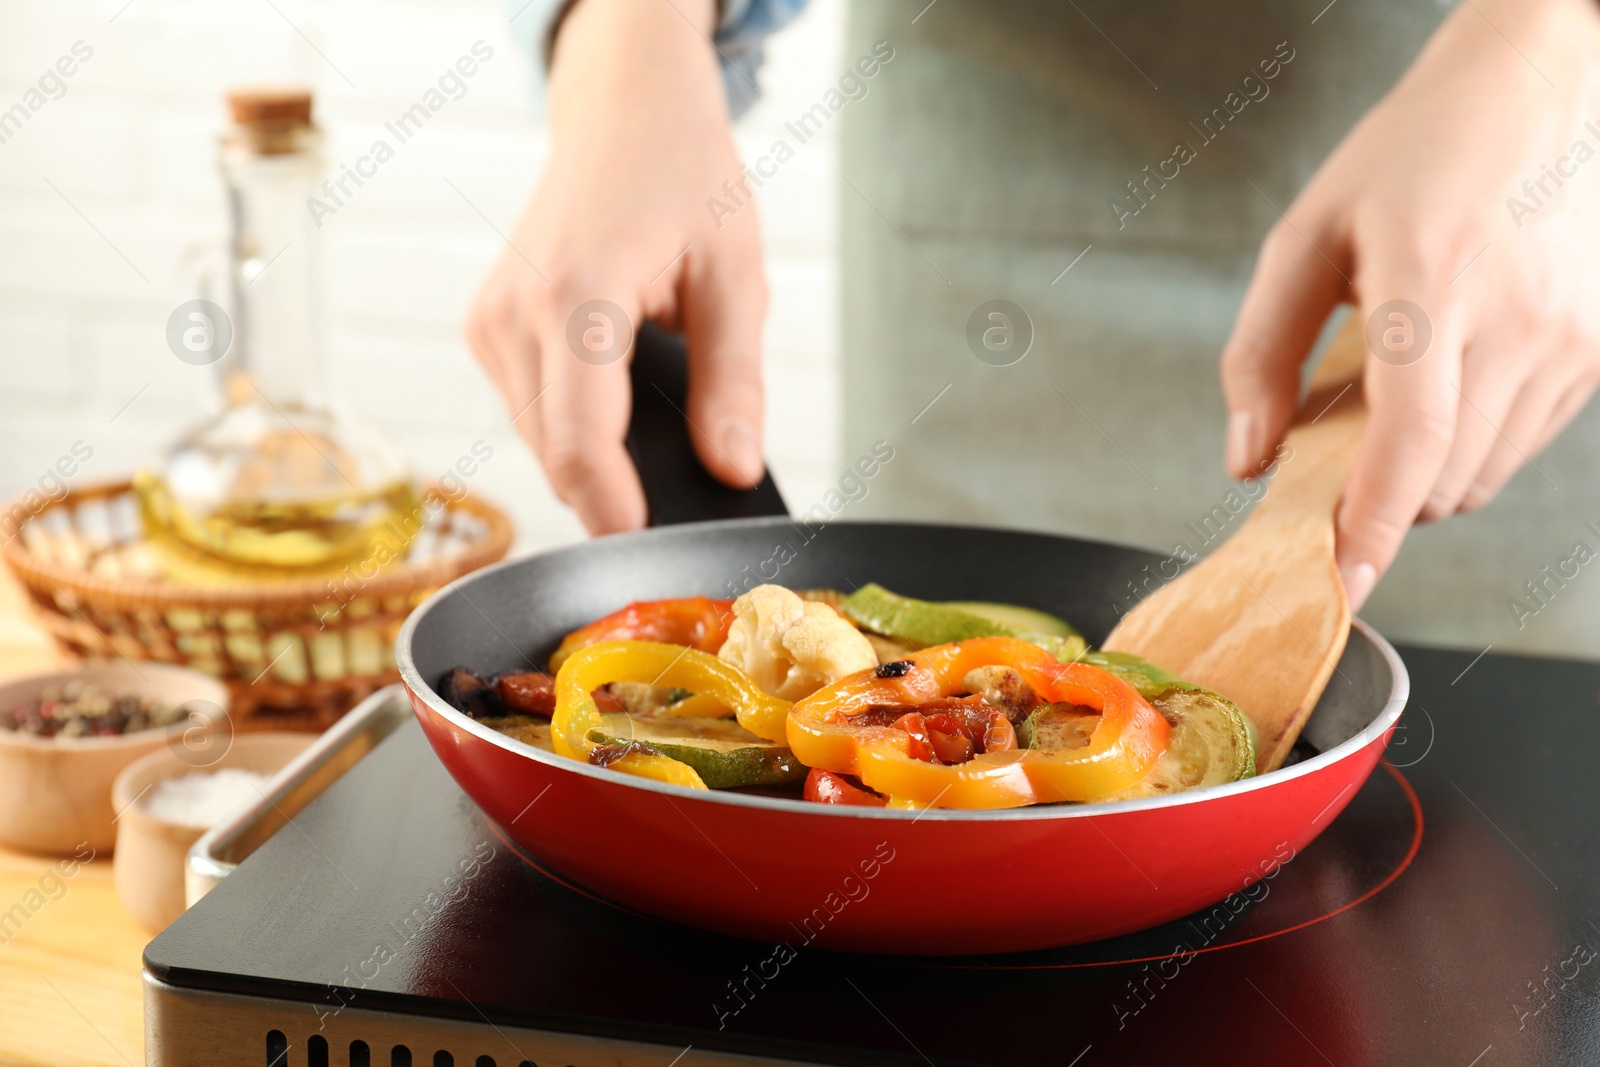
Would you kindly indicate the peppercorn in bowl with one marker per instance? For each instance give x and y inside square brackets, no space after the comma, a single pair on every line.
[66,734]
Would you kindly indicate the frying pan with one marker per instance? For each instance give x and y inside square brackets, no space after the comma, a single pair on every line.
[850,878]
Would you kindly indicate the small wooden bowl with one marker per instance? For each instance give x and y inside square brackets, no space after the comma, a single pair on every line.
[151,852]
[55,793]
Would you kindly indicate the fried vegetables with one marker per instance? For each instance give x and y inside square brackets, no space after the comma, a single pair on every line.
[792,647]
[872,699]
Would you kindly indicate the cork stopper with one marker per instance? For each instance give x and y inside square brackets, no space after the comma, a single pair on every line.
[271,120]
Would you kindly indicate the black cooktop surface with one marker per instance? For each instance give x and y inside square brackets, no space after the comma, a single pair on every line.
[1448,916]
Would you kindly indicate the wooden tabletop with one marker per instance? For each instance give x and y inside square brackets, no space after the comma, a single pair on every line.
[69,953]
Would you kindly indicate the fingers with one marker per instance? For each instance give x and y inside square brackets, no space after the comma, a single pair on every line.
[1572,401]
[571,411]
[508,354]
[1413,414]
[584,407]
[1543,406]
[1290,295]
[558,354]
[1486,395]
[724,305]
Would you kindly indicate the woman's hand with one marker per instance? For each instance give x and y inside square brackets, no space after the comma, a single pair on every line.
[1463,193]
[640,142]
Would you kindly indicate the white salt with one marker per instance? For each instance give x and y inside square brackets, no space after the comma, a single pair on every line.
[203,799]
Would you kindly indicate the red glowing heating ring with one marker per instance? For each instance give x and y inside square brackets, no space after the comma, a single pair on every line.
[1388,880]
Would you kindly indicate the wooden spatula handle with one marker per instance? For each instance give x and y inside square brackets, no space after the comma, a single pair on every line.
[1320,447]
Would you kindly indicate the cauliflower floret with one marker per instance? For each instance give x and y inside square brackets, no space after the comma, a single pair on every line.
[792,647]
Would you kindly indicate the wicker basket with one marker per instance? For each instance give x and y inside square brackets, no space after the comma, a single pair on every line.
[296,652]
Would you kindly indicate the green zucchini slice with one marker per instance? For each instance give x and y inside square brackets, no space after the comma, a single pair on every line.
[722,752]
[1023,620]
[1057,727]
[525,728]
[1212,742]
[924,623]
[641,698]
[1151,681]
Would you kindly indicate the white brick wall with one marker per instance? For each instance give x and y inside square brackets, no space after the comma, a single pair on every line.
[131,146]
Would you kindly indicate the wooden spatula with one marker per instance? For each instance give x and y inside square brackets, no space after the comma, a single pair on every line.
[1263,619]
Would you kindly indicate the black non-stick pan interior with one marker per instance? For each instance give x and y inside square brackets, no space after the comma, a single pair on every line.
[513,615]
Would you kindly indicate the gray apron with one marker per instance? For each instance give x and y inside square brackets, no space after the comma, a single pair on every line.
[986,159]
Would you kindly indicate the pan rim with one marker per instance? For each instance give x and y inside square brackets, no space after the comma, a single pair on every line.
[419,689]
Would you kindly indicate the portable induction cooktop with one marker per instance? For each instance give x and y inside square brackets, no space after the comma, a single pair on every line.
[1446,916]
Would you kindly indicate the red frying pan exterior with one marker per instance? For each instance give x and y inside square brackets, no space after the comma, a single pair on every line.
[857,879]
[868,880]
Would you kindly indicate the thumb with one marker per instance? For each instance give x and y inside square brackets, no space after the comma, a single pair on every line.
[1290,295]
[724,306]
[1412,407]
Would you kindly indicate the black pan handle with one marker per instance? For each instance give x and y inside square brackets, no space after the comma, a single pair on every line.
[676,487]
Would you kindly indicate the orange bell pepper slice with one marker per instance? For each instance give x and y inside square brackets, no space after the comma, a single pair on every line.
[1130,736]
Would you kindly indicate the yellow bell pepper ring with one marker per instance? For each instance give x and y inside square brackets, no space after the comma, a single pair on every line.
[827,730]
[653,663]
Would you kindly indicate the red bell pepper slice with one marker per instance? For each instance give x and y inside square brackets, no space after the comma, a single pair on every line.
[696,621]
[825,787]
